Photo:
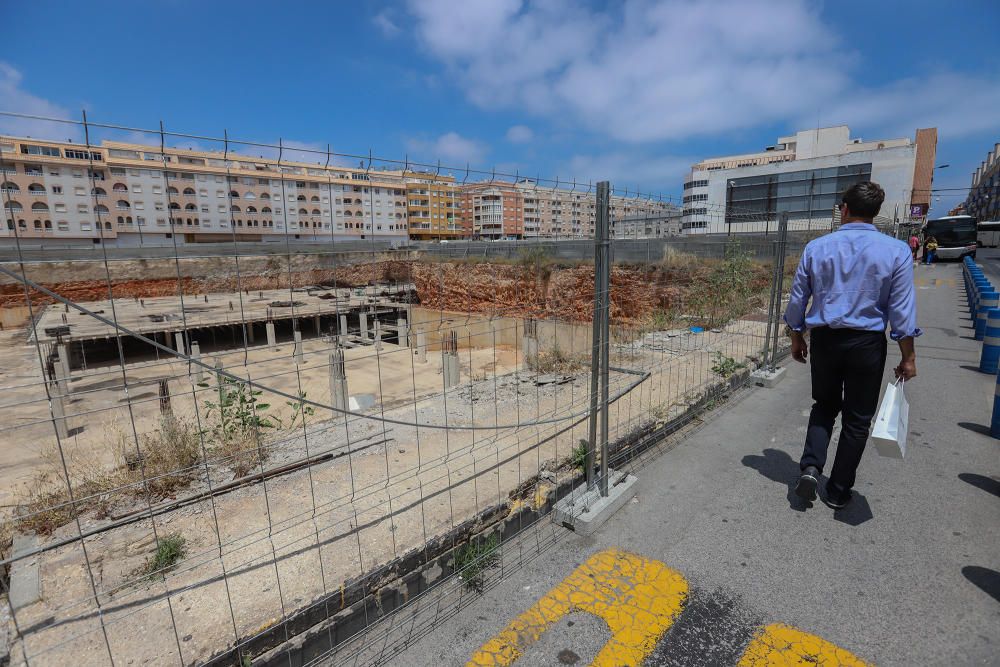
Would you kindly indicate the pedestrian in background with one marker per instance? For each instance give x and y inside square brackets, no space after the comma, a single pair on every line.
[914,245]
[930,250]
[849,287]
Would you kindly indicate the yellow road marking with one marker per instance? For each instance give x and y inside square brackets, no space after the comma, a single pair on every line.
[780,644]
[637,597]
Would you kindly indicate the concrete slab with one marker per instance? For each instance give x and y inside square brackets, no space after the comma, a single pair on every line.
[24,582]
[763,377]
[584,511]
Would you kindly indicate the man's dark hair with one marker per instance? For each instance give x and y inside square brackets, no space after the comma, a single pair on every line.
[864,199]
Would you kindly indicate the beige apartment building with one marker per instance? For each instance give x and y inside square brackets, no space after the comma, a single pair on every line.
[126,194]
[432,207]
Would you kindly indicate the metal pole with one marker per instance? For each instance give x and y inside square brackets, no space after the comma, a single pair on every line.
[780,283]
[595,355]
[604,246]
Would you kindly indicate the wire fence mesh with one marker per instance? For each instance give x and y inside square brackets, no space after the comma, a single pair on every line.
[259,425]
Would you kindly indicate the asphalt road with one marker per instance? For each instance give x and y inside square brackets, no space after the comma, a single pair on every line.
[908,574]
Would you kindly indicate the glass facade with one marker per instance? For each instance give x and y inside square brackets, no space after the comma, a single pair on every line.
[807,194]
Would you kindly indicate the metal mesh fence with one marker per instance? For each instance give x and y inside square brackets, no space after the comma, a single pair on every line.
[257,426]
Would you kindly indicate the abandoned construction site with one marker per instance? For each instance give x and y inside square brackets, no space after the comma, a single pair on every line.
[221,453]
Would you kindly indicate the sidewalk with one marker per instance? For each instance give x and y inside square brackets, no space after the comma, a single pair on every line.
[905,575]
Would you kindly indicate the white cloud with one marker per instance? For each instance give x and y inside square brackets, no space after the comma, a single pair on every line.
[653,70]
[385,23]
[520,134]
[14,98]
[451,148]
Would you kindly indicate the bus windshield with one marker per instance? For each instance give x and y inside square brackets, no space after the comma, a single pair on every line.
[952,232]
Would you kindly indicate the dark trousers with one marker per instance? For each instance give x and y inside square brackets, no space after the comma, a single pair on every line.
[847,367]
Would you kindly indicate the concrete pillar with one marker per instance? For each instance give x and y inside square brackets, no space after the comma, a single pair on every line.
[449,360]
[404,331]
[179,342]
[196,371]
[63,352]
[62,381]
[297,347]
[218,367]
[59,415]
[164,392]
[319,326]
[338,381]
[363,318]
[343,328]
[249,333]
[378,335]
[63,360]
[530,339]
[269,327]
[421,345]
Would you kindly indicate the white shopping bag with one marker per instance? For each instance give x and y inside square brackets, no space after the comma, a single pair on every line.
[889,433]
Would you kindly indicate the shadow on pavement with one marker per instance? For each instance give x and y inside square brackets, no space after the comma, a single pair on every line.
[856,513]
[779,467]
[987,484]
[970,368]
[975,428]
[986,579]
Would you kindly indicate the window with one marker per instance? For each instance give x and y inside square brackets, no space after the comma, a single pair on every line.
[31,149]
[60,207]
[140,220]
[138,206]
[136,187]
[57,189]
[63,226]
[85,227]
[117,171]
[82,208]
[75,154]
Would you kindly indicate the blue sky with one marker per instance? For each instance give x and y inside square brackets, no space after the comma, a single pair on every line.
[629,91]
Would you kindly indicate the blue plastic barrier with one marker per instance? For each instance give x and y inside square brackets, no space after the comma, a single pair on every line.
[990,358]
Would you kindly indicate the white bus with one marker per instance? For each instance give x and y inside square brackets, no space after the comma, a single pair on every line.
[988,234]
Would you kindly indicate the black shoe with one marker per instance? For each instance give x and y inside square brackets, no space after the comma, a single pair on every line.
[806,486]
[838,500]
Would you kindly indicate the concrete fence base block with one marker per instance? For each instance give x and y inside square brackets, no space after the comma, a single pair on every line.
[24,582]
[585,511]
[763,377]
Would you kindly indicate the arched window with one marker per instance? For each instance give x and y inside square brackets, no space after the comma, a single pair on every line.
[121,203]
[128,220]
[234,208]
[347,214]
[315,211]
[358,202]
[121,220]
[98,192]
[101,208]
[233,194]
[174,206]
[119,187]
[301,198]
[315,199]
[38,224]
[251,209]
[266,209]
[48,225]
[189,191]
[13,207]
[107,226]
[172,190]
[39,206]
[22,224]
[302,211]
[249,195]
[191,207]
[10,187]
[36,188]
[264,195]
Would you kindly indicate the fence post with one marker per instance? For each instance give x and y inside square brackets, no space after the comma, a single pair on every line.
[779,285]
[595,342]
[604,247]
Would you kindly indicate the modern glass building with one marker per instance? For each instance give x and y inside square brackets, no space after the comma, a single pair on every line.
[804,195]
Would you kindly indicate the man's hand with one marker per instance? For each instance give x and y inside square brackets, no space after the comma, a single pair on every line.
[800,350]
[907,369]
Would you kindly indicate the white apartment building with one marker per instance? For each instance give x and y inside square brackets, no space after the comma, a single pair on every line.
[125,194]
[804,175]
[551,212]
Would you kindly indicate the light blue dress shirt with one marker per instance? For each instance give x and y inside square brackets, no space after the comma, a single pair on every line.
[857,278]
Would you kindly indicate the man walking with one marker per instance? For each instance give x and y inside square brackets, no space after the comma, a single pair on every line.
[860,281]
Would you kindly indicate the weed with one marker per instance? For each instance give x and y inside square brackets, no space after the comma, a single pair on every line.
[473,559]
[168,553]
[236,422]
[725,367]
[556,361]
[579,456]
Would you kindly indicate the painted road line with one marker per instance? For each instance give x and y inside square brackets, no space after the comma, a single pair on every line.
[780,644]
[637,597]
